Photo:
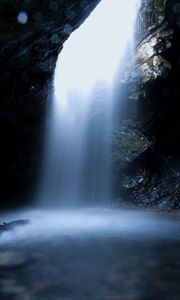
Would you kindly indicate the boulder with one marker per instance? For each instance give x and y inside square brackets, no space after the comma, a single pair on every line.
[128,143]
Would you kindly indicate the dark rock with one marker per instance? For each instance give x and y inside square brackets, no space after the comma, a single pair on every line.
[12,259]
[10,289]
[151,178]
[12,225]
[32,36]
[128,143]
[152,181]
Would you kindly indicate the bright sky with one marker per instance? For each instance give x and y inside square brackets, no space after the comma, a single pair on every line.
[93,51]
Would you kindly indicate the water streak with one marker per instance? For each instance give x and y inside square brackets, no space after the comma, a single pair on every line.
[77,163]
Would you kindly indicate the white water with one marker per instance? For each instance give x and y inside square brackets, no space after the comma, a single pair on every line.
[45,225]
[78,153]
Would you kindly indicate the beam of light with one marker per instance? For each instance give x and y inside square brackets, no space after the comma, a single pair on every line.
[93,52]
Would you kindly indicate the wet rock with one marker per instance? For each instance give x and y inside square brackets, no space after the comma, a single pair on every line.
[130,182]
[13,224]
[176,8]
[151,178]
[12,259]
[150,62]
[151,15]
[138,95]
[32,36]
[128,143]
[154,184]
[10,289]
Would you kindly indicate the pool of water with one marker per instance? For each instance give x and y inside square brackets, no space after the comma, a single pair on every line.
[98,254]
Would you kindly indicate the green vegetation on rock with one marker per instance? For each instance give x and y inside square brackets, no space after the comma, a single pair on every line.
[132,143]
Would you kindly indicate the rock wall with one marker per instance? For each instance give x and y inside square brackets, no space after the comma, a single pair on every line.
[151,174]
[32,34]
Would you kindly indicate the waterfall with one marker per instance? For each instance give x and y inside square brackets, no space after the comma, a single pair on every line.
[77,164]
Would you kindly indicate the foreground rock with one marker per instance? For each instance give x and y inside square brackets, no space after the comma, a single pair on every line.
[10,289]
[12,259]
[12,225]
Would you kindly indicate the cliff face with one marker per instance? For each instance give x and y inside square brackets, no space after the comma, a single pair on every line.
[32,35]
[152,177]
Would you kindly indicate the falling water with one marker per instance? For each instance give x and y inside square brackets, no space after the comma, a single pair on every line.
[78,152]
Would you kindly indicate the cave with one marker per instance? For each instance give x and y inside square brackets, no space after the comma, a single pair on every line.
[102,168]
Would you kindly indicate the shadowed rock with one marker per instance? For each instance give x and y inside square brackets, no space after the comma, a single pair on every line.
[13,224]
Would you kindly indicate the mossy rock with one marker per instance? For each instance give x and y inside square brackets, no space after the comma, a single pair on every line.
[132,142]
[128,143]
[138,95]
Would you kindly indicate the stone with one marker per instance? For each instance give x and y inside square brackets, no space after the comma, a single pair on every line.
[128,143]
[150,62]
[12,259]
[32,36]
[10,289]
[176,8]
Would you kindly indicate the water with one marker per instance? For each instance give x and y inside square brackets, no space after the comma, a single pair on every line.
[89,222]
[77,165]
[91,254]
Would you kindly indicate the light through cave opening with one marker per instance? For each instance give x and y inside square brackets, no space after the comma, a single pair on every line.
[77,165]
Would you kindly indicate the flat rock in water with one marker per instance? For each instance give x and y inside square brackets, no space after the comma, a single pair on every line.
[13,224]
[12,259]
[10,289]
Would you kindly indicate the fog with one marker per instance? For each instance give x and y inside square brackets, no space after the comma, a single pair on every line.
[92,222]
